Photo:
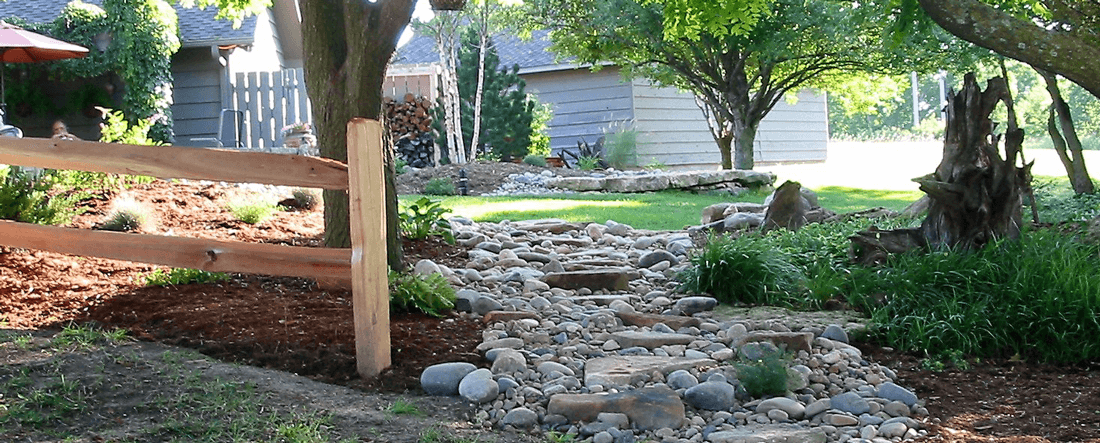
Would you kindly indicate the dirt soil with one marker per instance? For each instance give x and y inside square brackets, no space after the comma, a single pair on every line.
[295,341]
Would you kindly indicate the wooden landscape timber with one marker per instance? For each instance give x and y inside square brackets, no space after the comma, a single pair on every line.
[364,264]
[175,162]
[975,194]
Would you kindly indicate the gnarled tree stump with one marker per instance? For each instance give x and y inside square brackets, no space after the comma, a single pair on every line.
[975,195]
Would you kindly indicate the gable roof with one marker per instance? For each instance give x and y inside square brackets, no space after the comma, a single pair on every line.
[198,27]
[532,55]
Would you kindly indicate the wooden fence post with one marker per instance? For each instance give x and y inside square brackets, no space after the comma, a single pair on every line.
[370,285]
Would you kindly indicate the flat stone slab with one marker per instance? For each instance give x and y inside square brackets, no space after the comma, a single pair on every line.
[612,279]
[648,408]
[792,341]
[648,320]
[768,434]
[651,340]
[661,181]
[627,370]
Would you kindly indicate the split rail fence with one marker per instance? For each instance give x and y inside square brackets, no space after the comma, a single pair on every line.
[363,265]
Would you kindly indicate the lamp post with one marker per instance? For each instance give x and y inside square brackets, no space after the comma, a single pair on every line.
[463,182]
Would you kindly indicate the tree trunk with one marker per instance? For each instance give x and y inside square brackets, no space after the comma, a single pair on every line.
[1066,141]
[483,43]
[744,137]
[349,43]
[976,196]
[446,40]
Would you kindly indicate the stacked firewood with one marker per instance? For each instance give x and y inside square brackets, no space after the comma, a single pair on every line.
[410,124]
[409,116]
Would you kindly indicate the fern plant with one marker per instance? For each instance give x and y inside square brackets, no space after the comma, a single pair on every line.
[430,294]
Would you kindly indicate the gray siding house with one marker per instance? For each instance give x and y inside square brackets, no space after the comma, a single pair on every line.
[212,52]
[671,128]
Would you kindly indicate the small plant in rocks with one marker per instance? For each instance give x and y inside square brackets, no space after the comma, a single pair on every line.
[587,163]
[252,212]
[127,215]
[764,377]
[745,269]
[430,294]
[439,186]
[424,218]
[535,160]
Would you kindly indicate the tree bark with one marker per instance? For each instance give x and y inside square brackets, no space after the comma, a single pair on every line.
[1061,51]
[976,196]
[744,137]
[349,43]
[483,46]
[1066,141]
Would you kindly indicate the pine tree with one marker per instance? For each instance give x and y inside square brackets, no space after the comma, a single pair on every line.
[506,111]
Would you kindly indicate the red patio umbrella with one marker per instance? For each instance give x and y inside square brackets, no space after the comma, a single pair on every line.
[18,45]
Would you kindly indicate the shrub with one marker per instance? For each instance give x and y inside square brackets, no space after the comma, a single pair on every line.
[183,276]
[535,160]
[28,199]
[400,166]
[252,212]
[439,186]
[747,269]
[127,215]
[766,377]
[621,147]
[430,294]
[424,218]
[305,198]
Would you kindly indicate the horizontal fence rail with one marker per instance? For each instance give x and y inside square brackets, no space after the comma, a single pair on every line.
[363,265]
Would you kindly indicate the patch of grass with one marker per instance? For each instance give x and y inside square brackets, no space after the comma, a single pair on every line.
[126,215]
[841,200]
[439,186]
[252,211]
[36,407]
[402,407]
[85,337]
[182,276]
[558,437]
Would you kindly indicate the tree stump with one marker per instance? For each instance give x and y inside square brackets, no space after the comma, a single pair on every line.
[975,195]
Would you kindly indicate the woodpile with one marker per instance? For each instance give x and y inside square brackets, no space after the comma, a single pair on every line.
[410,124]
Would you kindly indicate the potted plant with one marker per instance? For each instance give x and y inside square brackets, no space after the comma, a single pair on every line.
[297,135]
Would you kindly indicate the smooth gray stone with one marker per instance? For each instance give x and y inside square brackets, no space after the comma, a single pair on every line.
[654,257]
[817,407]
[793,408]
[464,299]
[478,386]
[648,408]
[712,396]
[547,367]
[443,378]
[758,350]
[851,403]
[768,434]
[506,383]
[490,246]
[681,379]
[426,267]
[650,340]
[483,305]
[891,391]
[521,418]
[835,333]
[510,342]
[697,304]
[509,361]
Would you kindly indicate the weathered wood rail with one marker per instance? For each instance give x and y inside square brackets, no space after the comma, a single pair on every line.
[364,265]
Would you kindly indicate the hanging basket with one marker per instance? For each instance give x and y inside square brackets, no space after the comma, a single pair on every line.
[448,5]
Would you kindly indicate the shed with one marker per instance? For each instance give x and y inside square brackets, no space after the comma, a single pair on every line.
[672,130]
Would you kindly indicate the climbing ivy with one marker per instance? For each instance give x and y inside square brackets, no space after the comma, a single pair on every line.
[144,35]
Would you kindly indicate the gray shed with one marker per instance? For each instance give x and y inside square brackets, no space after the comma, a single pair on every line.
[671,129]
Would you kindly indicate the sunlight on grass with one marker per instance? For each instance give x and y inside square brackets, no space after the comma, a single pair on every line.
[547,207]
[841,199]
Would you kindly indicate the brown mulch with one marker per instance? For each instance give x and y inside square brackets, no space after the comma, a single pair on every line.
[298,326]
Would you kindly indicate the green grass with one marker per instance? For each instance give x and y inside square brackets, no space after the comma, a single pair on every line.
[841,200]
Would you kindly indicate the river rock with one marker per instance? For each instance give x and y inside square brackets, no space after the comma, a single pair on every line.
[768,434]
[851,403]
[891,391]
[793,408]
[649,408]
[478,386]
[443,379]
[521,418]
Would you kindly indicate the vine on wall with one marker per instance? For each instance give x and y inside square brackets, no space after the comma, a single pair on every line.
[143,37]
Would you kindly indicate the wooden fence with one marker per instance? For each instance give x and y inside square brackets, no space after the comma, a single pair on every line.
[363,265]
[270,101]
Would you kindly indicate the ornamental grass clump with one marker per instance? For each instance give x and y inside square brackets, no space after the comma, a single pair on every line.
[126,215]
[747,269]
[766,376]
[252,211]
[1036,298]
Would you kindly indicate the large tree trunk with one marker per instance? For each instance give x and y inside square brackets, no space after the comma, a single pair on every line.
[744,137]
[349,43]
[976,196]
[1066,141]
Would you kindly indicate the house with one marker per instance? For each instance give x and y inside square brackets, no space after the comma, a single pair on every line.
[671,129]
[204,70]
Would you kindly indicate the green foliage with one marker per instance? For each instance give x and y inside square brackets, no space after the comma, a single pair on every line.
[85,337]
[621,146]
[252,211]
[1036,298]
[588,163]
[1058,203]
[430,294]
[39,200]
[540,127]
[126,215]
[692,18]
[535,160]
[403,407]
[766,377]
[746,269]
[183,276]
[424,218]
[400,165]
[439,186]
[116,129]
[507,111]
